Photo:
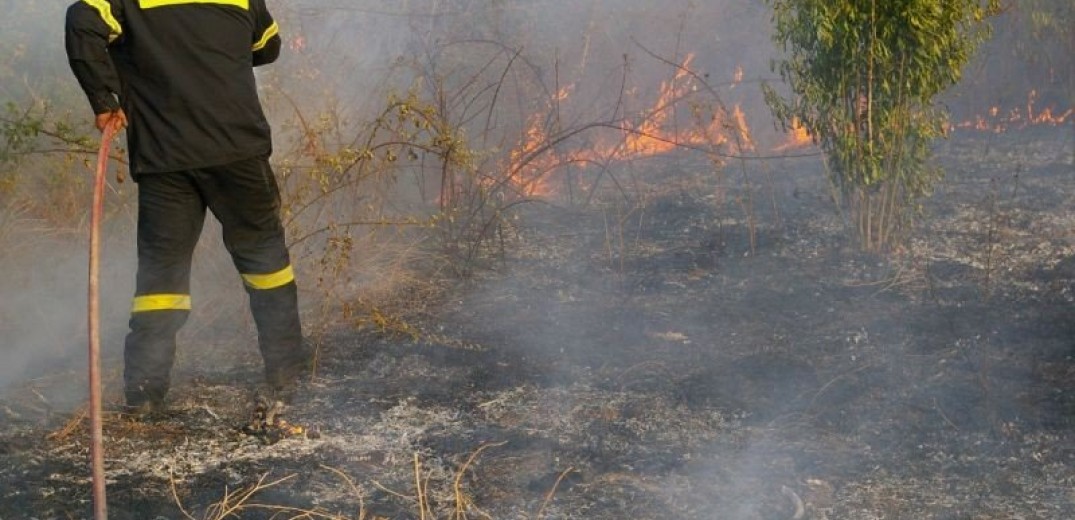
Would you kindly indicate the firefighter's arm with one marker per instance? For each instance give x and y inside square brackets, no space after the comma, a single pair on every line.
[91,26]
[266,37]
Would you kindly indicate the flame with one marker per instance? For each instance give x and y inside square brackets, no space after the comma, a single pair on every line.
[527,165]
[648,137]
[656,131]
[1016,118]
[797,137]
[746,142]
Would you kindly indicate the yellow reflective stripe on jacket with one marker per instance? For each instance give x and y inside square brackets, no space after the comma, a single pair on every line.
[273,30]
[271,280]
[150,4]
[105,10]
[161,302]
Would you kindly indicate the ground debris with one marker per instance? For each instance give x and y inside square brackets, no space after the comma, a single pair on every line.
[699,368]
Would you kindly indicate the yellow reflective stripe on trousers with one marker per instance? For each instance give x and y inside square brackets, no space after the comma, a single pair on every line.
[150,4]
[273,30]
[161,302]
[270,281]
[104,9]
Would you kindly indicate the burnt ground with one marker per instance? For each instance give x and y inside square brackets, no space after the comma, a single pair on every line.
[641,360]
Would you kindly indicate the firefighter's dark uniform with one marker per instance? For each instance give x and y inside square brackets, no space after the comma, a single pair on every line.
[198,139]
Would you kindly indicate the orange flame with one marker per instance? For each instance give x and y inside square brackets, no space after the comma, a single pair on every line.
[1016,118]
[797,138]
[656,132]
[746,142]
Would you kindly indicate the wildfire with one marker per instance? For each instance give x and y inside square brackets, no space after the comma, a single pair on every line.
[995,120]
[998,121]
[746,142]
[656,130]
[662,128]
[798,137]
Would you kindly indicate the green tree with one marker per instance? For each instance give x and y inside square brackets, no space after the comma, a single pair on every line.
[863,75]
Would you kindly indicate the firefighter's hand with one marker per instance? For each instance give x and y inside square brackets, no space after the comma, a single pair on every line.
[115,119]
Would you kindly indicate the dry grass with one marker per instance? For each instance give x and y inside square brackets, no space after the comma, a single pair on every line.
[235,502]
[552,492]
[463,502]
[384,212]
[72,425]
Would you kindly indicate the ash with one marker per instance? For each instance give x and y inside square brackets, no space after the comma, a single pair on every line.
[644,357]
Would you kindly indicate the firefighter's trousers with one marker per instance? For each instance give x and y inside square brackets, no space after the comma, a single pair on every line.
[245,198]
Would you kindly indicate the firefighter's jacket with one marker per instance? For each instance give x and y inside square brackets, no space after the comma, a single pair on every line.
[183,73]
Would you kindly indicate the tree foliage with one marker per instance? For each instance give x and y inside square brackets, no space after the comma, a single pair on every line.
[863,76]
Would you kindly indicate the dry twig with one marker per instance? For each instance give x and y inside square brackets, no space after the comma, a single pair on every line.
[461,501]
[549,495]
[418,486]
[70,426]
[234,503]
[354,489]
[175,497]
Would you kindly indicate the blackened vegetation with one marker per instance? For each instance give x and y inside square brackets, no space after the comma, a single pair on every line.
[641,359]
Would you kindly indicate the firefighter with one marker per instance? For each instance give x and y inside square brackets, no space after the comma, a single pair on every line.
[178,75]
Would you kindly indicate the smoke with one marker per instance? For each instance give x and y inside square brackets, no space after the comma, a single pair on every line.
[796,338]
[353,55]
[44,300]
[42,267]
[44,306]
[718,296]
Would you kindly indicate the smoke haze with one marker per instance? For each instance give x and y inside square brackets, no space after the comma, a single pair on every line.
[686,290]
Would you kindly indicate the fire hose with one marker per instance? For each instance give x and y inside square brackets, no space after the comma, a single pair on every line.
[100,510]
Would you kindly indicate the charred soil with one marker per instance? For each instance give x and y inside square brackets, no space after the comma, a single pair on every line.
[663,352]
